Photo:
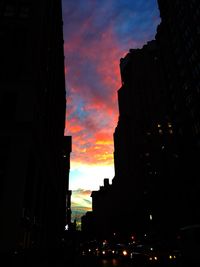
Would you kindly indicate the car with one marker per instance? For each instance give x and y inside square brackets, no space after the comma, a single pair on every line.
[90,248]
[153,254]
[107,251]
[122,251]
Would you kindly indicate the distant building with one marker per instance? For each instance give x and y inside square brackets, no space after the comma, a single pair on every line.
[32,114]
[95,224]
[88,226]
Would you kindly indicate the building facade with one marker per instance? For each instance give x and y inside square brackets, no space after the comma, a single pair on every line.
[32,110]
[144,140]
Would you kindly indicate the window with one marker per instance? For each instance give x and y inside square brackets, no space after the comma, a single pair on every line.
[8,102]
[185,87]
[192,113]
[9,10]
[24,11]
[4,153]
[189,99]
[198,30]
[197,128]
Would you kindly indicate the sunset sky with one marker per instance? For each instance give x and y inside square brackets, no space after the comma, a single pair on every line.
[97,33]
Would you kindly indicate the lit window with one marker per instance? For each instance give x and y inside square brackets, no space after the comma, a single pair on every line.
[159,125]
[169,125]
[160,131]
[170,131]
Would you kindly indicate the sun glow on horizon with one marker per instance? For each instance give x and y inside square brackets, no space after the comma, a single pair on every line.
[89,177]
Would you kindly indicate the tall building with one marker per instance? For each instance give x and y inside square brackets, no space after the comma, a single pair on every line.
[144,141]
[32,112]
[66,168]
[144,152]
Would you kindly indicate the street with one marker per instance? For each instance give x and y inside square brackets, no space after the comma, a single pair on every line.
[105,263]
[83,262]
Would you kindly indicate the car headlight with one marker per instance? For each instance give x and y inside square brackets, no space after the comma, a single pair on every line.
[125,253]
[171,257]
[155,258]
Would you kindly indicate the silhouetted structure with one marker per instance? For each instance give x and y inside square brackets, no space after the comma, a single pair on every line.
[95,223]
[32,112]
[142,139]
[88,225]
[66,170]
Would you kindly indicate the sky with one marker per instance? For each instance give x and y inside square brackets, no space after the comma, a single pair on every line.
[97,33]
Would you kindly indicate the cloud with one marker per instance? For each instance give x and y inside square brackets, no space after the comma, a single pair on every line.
[91,176]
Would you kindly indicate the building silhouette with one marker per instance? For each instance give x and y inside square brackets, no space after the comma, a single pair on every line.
[156,187]
[142,140]
[144,145]
[66,169]
[32,112]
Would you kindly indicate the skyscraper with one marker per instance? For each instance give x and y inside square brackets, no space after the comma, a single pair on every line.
[32,111]
[144,143]
[144,150]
